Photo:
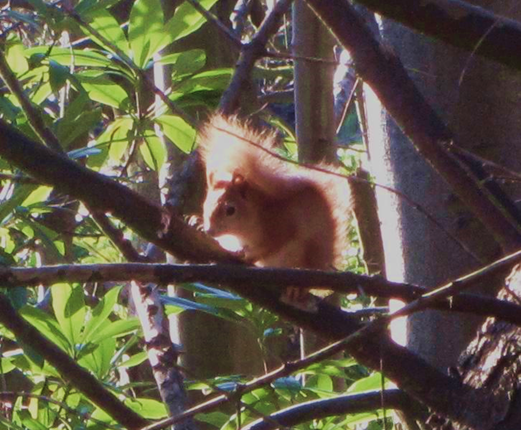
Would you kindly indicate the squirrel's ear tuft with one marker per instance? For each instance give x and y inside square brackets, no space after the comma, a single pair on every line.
[240,184]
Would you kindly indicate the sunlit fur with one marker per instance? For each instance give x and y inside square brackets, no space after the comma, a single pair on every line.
[281,215]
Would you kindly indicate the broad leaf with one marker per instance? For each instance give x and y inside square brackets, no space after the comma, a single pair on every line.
[47,326]
[153,151]
[145,31]
[20,194]
[185,62]
[100,360]
[116,329]
[103,90]
[107,26]
[186,20]
[178,131]
[69,309]
[39,195]
[135,360]
[101,312]
[370,383]
[147,408]
[68,57]
[15,56]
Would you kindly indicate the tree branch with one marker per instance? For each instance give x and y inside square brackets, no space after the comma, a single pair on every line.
[250,53]
[458,23]
[149,220]
[246,278]
[341,405]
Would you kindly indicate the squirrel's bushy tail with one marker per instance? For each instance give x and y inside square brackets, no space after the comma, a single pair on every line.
[231,146]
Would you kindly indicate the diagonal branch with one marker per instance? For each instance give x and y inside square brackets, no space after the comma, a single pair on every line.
[250,53]
[68,368]
[99,191]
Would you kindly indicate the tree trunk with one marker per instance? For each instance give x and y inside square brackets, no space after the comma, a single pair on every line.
[466,92]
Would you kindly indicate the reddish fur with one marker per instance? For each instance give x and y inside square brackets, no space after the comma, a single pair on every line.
[283,215]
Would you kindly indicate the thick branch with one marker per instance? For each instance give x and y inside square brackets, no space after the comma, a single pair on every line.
[459,24]
[102,193]
[382,70]
[68,368]
[241,278]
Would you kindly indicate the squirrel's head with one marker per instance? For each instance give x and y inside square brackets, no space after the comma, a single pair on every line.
[229,209]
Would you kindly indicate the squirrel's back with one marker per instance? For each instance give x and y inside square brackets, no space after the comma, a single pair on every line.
[313,204]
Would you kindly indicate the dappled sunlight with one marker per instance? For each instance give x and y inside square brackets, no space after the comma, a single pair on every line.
[229,242]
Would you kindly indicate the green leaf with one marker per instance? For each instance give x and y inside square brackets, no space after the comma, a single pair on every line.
[102,416]
[40,7]
[370,383]
[324,383]
[222,303]
[29,423]
[33,228]
[216,419]
[103,90]
[76,154]
[69,308]
[77,57]
[101,313]
[100,360]
[145,31]
[197,287]
[135,360]
[43,92]
[178,131]
[116,329]
[185,62]
[21,193]
[7,246]
[189,305]
[58,75]
[39,195]
[117,136]
[47,326]
[364,417]
[215,80]
[147,408]
[186,20]
[86,6]
[107,26]
[6,365]
[69,129]
[10,112]
[330,367]
[15,56]
[288,383]
[153,151]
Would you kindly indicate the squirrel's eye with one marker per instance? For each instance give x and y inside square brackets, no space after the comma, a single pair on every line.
[229,210]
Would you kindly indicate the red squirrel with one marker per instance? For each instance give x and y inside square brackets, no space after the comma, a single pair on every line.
[282,215]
